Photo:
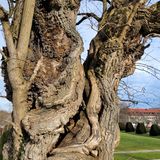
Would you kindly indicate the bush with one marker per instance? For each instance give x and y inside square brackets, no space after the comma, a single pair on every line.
[122,126]
[141,129]
[129,127]
[155,130]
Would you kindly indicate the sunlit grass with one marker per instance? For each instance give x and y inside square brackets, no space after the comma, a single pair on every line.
[138,142]
[131,141]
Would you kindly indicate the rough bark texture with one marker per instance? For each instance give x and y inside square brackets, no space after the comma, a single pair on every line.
[63,110]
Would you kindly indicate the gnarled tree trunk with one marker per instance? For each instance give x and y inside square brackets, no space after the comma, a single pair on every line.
[61,109]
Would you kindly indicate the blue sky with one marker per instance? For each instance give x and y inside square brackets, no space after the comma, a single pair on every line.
[142,86]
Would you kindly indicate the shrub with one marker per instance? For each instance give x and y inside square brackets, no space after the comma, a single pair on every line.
[129,127]
[122,126]
[141,129]
[155,130]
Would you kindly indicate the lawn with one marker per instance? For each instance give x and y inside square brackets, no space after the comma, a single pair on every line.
[138,156]
[138,142]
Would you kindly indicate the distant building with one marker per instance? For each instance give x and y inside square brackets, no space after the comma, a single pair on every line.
[135,115]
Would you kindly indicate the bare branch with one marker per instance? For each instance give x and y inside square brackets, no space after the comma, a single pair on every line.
[151,35]
[102,1]
[8,38]
[129,100]
[134,101]
[149,72]
[104,6]
[11,7]
[86,16]
[25,30]
[3,96]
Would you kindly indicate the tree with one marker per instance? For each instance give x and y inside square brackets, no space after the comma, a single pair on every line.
[61,109]
[129,127]
[140,129]
[154,130]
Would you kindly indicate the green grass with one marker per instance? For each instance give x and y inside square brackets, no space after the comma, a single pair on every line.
[137,156]
[131,141]
[138,142]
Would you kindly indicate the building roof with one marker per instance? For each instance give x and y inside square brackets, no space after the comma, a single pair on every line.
[143,110]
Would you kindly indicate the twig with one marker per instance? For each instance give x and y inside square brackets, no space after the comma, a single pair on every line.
[3,97]
[151,35]
[86,16]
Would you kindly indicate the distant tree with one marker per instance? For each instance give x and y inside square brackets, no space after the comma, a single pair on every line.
[61,108]
[141,129]
[129,127]
[155,130]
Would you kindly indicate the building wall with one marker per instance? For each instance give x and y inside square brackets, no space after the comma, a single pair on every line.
[139,115]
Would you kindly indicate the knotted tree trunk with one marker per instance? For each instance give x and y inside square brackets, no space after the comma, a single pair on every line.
[62,109]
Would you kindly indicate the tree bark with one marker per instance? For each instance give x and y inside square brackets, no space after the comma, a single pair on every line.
[62,109]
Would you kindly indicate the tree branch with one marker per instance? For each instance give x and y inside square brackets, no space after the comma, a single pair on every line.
[151,21]
[130,19]
[102,1]
[11,7]
[7,32]
[135,102]
[25,30]
[87,15]
[17,16]
[104,6]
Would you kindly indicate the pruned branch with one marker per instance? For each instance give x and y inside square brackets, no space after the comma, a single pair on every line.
[3,54]
[86,16]
[3,13]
